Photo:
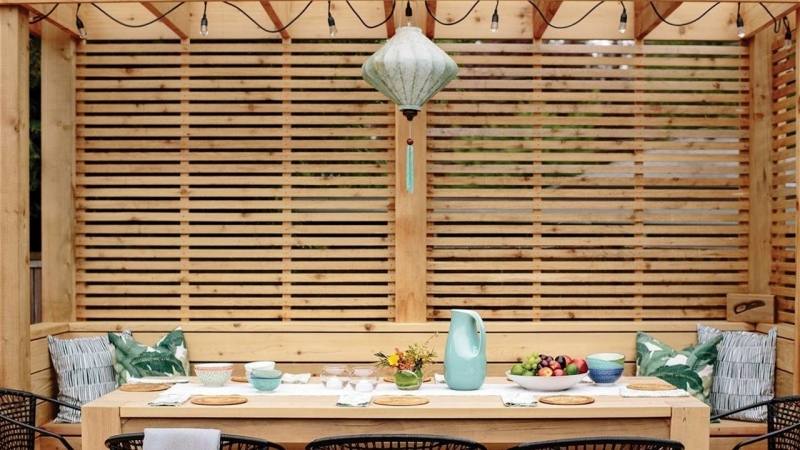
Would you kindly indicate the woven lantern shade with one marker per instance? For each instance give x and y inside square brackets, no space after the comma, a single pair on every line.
[409,69]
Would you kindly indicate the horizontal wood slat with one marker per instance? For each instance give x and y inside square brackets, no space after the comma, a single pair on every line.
[585,181]
[783,273]
[232,180]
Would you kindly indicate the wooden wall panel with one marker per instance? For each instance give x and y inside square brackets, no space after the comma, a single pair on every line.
[233,180]
[574,180]
[783,275]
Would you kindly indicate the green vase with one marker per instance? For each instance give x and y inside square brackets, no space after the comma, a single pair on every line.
[407,380]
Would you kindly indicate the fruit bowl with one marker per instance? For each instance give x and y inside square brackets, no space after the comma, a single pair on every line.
[538,383]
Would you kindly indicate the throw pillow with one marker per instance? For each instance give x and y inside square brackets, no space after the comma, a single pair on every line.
[745,371]
[132,359]
[84,370]
[691,369]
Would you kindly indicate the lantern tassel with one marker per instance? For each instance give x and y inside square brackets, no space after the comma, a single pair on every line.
[410,165]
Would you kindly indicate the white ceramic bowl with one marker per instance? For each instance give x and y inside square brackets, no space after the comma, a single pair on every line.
[266,365]
[533,383]
[214,374]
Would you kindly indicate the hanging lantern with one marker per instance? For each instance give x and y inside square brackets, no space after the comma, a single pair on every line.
[409,69]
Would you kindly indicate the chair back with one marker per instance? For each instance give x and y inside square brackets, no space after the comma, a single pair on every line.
[393,442]
[135,441]
[781,413]
[621,443]
[19,406]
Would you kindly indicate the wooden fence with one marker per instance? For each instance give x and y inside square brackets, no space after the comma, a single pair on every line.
[255,180]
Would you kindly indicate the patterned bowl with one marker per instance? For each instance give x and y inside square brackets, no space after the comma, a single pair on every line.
[605,361]
[605,376]
[214,374]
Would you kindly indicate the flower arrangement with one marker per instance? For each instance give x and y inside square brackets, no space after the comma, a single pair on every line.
[408,364]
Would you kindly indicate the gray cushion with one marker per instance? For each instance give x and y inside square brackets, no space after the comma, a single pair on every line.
[85,372]
[745,371]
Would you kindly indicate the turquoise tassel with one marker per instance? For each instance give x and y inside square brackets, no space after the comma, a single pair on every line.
[410,166]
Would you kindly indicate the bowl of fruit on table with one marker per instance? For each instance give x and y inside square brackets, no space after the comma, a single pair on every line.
[540,372]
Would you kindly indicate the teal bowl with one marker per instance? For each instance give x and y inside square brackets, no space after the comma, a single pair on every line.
[265,384]
[605,361]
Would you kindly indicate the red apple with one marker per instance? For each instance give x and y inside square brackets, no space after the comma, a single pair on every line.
[545,372]
[558,373]
[580,363]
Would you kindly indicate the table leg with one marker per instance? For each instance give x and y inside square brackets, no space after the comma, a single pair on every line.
[98,423]
[690,425]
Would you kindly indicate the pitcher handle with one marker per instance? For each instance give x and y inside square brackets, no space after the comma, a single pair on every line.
[479,325]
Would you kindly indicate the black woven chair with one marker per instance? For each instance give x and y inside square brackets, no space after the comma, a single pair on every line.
[602,443]
[18,428]
[135,441]
[783,423]
[393,441]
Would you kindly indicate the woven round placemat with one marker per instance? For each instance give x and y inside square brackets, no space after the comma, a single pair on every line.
[219,400]
[144,387]
[389,379]
[240,379]
[565,400]
[651,387]
[400,400]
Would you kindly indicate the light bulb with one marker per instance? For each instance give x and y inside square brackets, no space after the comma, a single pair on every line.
[204,26]
[787,39]
[81,28]
[740,26]
[409,14]
[623,21]
[495,21]
[331,25]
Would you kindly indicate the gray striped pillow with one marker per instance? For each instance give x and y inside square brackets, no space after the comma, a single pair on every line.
[745,371]
[85,372]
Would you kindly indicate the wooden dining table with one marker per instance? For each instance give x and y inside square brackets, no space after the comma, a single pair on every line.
[292,421]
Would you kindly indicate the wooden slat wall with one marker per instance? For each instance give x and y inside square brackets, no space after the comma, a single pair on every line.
[783,277]
[233,180]
[579,180]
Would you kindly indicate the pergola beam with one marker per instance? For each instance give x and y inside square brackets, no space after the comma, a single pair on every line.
[387,8]
[18,2]
[63,17]
[430,23]
[177,21]
[646,20]
[273,16]
[756,18]
[549,9]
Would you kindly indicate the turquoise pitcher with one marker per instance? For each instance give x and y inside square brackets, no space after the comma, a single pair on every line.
[465,354]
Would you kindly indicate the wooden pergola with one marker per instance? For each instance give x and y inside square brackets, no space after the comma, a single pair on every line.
[244,181]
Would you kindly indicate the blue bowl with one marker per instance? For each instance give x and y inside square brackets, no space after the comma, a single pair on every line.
[265,384]
[605,376]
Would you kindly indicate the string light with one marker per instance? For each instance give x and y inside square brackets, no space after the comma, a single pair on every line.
[331,22]
[204,21]
[409,13]
[495,18]
[79,23]
[41,17]
[623,19]
[787,36]
[739,22]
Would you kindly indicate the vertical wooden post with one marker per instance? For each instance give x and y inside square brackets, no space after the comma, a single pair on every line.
[760,219]
[185,209]
[14,238]
[797,212]
[58,174]
[411,208]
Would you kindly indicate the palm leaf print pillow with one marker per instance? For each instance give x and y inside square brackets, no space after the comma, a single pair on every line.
[690,369]
[168,357]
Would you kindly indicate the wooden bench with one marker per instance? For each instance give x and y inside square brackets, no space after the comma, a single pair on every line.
[306,346]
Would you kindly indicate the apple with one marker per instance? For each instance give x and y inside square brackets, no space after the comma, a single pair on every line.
[571,369]
[580,363]
[558,373]
[555,365]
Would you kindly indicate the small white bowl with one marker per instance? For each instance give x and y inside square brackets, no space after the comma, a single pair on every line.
[266,365]
[214,374]
[534,383]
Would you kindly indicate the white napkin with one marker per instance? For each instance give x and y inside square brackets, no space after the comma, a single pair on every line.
[519,399]
[358,399]
[180,439]
[439,378]
[625,392]
[296,378]
[170,399]
[158,380]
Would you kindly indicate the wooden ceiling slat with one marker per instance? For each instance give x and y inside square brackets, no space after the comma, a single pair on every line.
[646,20]
[430,23]
[549,8]
[387,8]
[273,16]
[178,23]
